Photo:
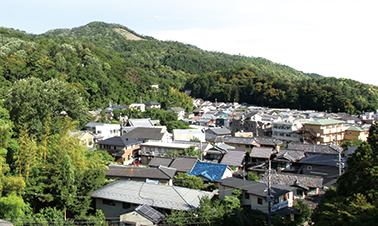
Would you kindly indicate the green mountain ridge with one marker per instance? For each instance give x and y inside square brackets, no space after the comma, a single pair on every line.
[110,62]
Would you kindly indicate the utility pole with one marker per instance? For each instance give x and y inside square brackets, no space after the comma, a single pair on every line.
[269,198]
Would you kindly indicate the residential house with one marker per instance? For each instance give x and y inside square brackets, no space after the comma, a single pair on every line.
[234,158]
[141,215]
[149,150]
[354,132]
[160,175]
[148,134]
[121,148]
[210,172]
[254,194]
[103,130]
[326,166]
[261,154]
[285,158]
[310,149]
[183,164]
[152,104]
[327,131]
[143,122]
[287,131]
[160,161]
[188,135]
[140,107]
[241,143]
[116,197]
[86,138]
[216,153]
[306,184]
[180,112]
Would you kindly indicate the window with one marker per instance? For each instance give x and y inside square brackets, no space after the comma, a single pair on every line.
[246,195]
[309,167]
[108,202]
[259,201]
[126,205]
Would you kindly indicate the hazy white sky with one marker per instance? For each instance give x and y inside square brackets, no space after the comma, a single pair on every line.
[330,38]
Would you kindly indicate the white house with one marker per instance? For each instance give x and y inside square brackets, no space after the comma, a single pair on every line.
[188,134]
[105,131]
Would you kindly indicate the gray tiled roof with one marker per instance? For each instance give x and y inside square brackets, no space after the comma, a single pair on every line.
[261,152]
[159,196]
[145,133]
[138,172]
[160,161]
[119,141]
[220,131]
[268,141]
[290,155]
[183,164]
[254,187]
[239,140]
[292,179]
[233,158]
[315,148]
[323,160]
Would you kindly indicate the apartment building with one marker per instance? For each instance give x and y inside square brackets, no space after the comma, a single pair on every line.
[327,131]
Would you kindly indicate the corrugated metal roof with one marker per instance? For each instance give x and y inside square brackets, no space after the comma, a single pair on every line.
[160,196]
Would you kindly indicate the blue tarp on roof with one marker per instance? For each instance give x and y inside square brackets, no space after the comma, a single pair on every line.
[209,170]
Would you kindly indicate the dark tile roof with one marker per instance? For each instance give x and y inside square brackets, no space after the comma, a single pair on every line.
[145,133]
[254,187]
[209,170]
[150,213]
[151,103]
[291,179]
[119,141]
[323,160]
[290,155]
[268,141]
[261,152]
[219,131]
[138,172]
[160,161]
[183,164]
[315,148]
[233,158]
[239,140]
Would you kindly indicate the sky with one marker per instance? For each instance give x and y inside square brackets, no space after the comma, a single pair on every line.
[333,38]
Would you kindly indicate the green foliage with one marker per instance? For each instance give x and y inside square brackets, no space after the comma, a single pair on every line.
[252,176]
[31,101]
[13,207]
[188,181]
[191,151]
[355,200]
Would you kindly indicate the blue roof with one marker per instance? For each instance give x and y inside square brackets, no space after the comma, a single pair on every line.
[209,170]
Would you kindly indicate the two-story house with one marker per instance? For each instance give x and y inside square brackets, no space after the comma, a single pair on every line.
[354,132]
[254,194]
[121,148]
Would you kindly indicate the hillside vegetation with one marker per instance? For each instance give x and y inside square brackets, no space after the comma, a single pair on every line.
[110,62]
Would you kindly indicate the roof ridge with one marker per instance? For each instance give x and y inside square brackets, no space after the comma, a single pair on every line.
[182,196]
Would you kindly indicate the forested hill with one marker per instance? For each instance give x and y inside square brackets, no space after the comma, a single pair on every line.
[110,62]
